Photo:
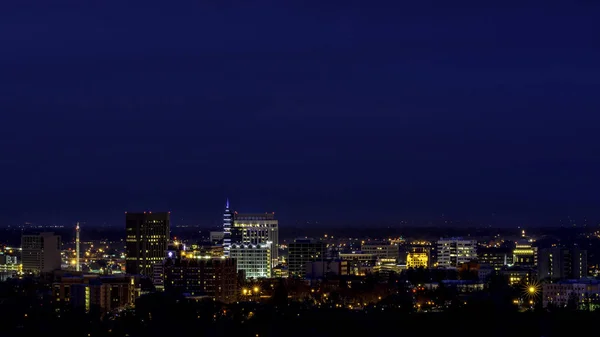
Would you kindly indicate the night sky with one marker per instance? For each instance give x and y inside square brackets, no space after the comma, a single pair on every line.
[359,113]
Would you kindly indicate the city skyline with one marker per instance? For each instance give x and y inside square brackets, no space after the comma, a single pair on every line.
[310,168]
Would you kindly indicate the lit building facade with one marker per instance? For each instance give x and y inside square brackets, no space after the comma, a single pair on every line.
[585,293]
[359,263]
[104,293]
[199,251]
[453,252]
[212,277]
[257,229]
[303,251]
[40,253]
[562,263]
[495,257]
[418,257]
[253,260]
[518,275]
[227,227]
[524,254]
[146,242]
[381,250]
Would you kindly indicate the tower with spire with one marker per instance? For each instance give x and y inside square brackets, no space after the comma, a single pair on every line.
[77,264]
[227,226]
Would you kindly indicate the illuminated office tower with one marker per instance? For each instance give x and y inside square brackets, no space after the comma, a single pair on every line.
[227,222]
[454,252]
[40,253]
[253,260]
[257,229]
[147,241]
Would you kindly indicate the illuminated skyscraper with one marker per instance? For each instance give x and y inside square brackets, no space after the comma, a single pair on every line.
[147,240]
[454,252]
[257,229]
[227,224]
[253,260]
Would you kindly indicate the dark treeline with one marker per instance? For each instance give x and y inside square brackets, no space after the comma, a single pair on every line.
[27,309]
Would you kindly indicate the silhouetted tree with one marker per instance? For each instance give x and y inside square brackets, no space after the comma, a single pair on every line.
[280,294]
[573,302]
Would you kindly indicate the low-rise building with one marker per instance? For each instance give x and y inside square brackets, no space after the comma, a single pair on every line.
[211,277]
[323,269]
[418,257]
[89,292]
[519,275]
[381,250]
[582,293]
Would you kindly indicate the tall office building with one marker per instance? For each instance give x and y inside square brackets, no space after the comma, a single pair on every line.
[257,229]
[562,263]
[40,253]
[147,241]
[303,251]
[253,260]
[454,252]
[227,224]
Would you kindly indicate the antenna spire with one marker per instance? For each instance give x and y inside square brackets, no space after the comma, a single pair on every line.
[77,265]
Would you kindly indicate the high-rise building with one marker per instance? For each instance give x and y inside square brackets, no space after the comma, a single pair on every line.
[454,252]
[147,241]
[253,260]
[257,229]
[212,277]
[303,251]
[40,253]
[227,224]
[562,263]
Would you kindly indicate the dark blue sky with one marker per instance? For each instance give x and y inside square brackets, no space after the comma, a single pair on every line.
[363,113]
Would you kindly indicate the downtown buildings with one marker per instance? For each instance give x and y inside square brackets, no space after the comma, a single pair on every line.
[252,240]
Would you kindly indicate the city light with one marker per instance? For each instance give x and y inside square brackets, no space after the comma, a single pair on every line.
[531,291]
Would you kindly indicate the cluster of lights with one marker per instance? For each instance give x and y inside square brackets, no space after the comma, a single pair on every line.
[248,292]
